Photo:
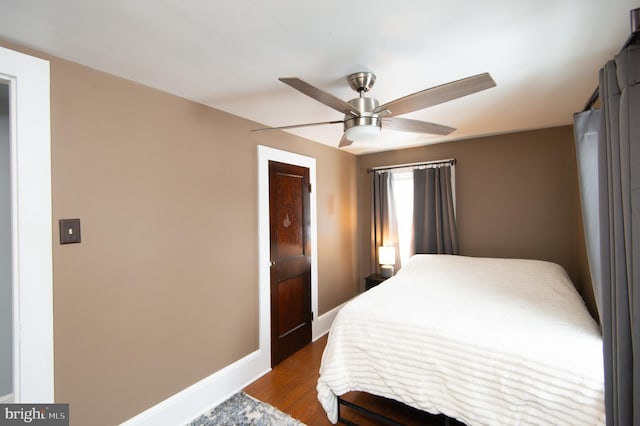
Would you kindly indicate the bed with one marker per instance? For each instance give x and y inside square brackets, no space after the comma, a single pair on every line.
[485,341]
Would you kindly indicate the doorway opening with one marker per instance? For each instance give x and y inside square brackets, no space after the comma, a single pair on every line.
[6,280]
[29,126]
[266,154]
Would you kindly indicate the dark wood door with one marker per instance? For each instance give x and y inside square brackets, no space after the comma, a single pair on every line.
[290,222]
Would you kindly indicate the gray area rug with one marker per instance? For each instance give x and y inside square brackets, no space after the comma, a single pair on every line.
[243,410]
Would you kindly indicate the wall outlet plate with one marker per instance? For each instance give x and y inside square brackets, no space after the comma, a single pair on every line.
[69,231]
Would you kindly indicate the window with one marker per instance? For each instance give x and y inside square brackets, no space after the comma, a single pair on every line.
[403,203]
[398,222]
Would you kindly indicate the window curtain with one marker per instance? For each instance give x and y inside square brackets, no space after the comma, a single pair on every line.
[384,221]
[615,261]
[433,213]
[586,131]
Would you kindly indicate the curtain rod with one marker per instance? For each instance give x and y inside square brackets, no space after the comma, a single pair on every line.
[634,37]
[451,161]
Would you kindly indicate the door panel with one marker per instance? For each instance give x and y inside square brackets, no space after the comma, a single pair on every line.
[290,259]
[291,295]
[288,216]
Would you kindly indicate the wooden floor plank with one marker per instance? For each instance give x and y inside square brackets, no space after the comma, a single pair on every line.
[291,387]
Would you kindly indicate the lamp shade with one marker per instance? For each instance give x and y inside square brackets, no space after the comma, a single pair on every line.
[386,255]
[363,132]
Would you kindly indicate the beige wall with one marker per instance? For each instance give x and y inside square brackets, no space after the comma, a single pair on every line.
[163,289]
[517,196]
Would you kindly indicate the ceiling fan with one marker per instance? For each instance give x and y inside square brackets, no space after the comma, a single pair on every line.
[364,117]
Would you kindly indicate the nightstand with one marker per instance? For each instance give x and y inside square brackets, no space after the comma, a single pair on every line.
[372,281]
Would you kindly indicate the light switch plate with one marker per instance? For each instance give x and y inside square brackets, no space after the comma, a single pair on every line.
[69,231]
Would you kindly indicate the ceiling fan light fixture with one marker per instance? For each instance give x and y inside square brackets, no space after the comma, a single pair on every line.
[363,132]
[363,128]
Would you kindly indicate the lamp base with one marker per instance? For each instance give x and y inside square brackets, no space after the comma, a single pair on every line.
[387,271]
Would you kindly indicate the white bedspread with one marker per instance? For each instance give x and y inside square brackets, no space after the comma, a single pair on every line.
[485,341]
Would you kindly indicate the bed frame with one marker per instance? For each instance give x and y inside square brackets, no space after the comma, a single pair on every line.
[371,414]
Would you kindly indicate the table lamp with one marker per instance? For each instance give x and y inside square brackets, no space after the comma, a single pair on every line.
[387,260]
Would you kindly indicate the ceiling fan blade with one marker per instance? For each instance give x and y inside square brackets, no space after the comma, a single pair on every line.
[437,95]
[415,126]
[344,141]
[293,126]
[321,96]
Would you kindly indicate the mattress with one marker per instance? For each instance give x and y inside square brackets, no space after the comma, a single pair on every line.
[485,341]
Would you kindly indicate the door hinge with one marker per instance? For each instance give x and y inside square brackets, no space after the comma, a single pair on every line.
[309,187]
[311,315]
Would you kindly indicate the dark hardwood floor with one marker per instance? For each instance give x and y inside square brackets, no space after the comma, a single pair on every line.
[291,387]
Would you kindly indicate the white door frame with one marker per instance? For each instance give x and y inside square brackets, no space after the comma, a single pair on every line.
[30,145]
[266,154]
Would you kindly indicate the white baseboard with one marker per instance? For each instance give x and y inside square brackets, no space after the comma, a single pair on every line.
[323,324]
[6,399]
[204,395]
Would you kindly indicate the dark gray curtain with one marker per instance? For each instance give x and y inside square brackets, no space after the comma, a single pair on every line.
[433,214]
[384,220]
[617,185]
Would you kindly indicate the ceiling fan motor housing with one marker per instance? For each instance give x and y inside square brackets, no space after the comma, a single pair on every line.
[367,118]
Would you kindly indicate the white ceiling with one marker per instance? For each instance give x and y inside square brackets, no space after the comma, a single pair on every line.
[543,54]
